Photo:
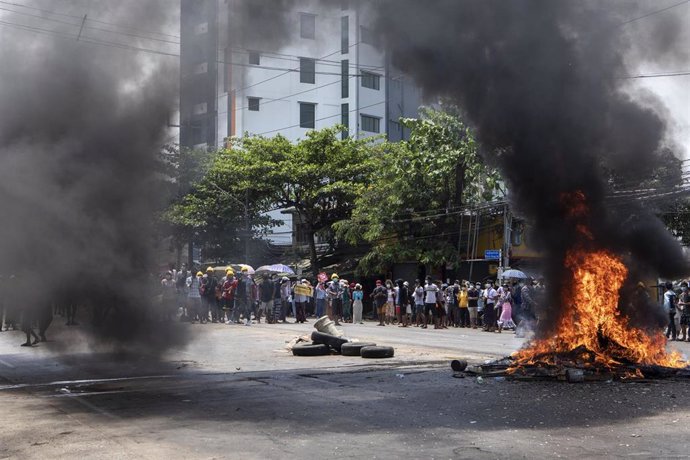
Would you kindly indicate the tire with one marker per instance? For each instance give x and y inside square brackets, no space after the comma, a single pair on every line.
[377,352]
[311,349]
[327,339]
[458,365]
[354,348]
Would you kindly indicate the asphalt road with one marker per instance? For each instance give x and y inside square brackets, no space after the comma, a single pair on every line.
[236,392]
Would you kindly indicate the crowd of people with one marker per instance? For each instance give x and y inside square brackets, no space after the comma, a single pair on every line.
[241,298]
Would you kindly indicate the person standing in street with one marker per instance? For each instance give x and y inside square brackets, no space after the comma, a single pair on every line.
[194,297]
[228,295]
[418,304]
[380,295]
[472,302]
[320,298]
[300,303]
[285,289]
[266,291]
[403,300]
[430,298]
[670,300]
[169,296]
[244,296]
[335,295]
[684,307]
[490,300]
[463,307]
[357,304]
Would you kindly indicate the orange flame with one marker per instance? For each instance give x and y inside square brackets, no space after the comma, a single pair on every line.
[592,326]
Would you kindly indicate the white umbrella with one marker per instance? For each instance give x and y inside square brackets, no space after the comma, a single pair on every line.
[275,268]
[514,274]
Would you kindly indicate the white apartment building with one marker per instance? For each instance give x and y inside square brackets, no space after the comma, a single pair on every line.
[325,69]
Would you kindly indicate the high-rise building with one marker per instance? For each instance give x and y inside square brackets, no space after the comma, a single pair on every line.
[286,67]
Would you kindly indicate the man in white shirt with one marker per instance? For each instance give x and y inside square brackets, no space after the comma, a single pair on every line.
[430,298]
[491,296]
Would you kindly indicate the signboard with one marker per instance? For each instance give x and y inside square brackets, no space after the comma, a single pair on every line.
[301,289]
[492,254]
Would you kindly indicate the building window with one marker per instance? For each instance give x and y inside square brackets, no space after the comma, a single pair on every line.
[345,34]
[307,26]
[253,104]
[307,115]
[345,78]
[307,70]
[254,58]
[345,119]
[371,124]
[367,36]
[371,80]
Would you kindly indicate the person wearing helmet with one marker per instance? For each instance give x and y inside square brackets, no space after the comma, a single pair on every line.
[335,295]
[228,295]
[244,296]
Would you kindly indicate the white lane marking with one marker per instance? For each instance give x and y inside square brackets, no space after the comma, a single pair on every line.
[5,363]
[73,382]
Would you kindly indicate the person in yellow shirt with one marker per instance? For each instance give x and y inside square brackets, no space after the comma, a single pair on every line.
[463,304]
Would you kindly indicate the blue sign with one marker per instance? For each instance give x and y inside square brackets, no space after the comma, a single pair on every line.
[492,254]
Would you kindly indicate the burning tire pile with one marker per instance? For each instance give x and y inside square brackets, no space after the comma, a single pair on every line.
[331,341]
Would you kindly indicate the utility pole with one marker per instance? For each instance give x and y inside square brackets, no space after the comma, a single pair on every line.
[247,226]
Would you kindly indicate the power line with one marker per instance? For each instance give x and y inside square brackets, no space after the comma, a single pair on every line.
[54,13]
[652,13]
[658,75]
[320,119]
[160,52]
[82,21]
[267,54]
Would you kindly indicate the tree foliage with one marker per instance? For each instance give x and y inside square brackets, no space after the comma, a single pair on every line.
[319,177]
[411,207]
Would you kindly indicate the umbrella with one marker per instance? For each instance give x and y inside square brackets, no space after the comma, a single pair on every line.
[275,268]
[239,267]
[514,274]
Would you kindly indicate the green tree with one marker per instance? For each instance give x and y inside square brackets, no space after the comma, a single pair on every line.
[319,177]
[410,209]
[179,170]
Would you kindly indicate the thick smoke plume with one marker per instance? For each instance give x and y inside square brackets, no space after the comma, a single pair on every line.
[81,126]
[544,83]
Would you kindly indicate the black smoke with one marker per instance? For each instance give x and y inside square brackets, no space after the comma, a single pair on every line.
[544,82]
[81,126]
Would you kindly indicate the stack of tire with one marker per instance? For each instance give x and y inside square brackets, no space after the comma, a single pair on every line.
[325,344]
